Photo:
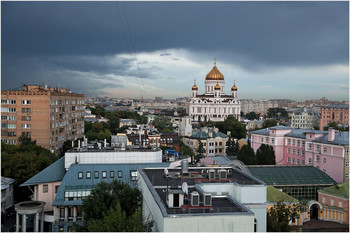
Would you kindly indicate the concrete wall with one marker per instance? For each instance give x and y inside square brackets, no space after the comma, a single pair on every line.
[113,157]
[218,223]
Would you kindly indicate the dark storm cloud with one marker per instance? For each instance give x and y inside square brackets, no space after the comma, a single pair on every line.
[269,32]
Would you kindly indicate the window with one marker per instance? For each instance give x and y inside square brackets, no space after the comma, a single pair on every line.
[293,142]
[26,126]
[323,200]
[272,140]
[12,109]
[324,160]
[303,153]
[12,101]
[303,143]
[288,160]
[266,139]
[317,158]
[298,152]
[309,160]
[96,175]
[26,102]
[3,109]
[302,161]
[310,146]
[347,164]
[288,141]
[293,151]
[61,216]
[56,188]
[288,150]
[80,175]
[120,174]
[3,101]
[111,174]
[324,149]
[298,161]
[3,125]
[298,143]
[332,202]
[12,126]
[104,174]
[11,134]
[317,147]
[133,175]
[45,188]
[262,139]
[293,161]
[340,204]
[88,175]
[12,118]
[26,118]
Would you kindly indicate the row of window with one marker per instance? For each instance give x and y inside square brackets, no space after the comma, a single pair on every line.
[133,174]
[24,102]
[9,141]
[267,140]
[13,118]
[56,102]
[295,161]
[294,150]
[293,141]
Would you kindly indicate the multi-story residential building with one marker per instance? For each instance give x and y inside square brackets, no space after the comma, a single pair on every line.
[48,115]
[202,199]
[326,150]
[304,119]
[214,104]
[214,142]
[334,113]
[6,193]
[126,122]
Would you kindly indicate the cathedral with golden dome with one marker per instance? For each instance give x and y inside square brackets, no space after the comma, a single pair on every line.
[214,104]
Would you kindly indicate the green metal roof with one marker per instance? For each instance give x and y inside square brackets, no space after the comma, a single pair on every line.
[338,190]
[274,195]
[278,175]
[54,172]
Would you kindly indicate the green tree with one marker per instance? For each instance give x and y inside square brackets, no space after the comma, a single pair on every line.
[186,150]
[252,116]
[246,155]
[113,207]
[232,147]
[22,162]
[279,216]
[200,151]
[231,124]
[335,126]
[25,140]
[269,123]
[266,155]
[277,113]
[163,124]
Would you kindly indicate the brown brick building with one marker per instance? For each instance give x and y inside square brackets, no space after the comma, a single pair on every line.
[48,115]
[338,113]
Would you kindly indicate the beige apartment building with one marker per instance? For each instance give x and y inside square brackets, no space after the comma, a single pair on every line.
[46,114]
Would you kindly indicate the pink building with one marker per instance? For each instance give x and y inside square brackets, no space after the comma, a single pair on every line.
[327,151]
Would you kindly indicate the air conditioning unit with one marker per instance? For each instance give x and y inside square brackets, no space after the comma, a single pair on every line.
[207,199]
[195,198]
[211,174]
[222,174]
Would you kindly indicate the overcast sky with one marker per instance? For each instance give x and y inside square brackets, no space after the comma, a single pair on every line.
[297,50]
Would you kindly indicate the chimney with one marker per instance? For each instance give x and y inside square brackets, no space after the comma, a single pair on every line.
[331,134]
[105,143]
[78,144]
[72,144]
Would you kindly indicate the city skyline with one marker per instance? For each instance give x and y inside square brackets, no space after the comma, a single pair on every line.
[291,50]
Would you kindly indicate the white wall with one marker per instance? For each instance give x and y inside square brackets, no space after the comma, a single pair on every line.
[210,223]
[113,157]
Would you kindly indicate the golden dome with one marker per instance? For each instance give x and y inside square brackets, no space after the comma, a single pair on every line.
[234,88]
[217,87]
[194,87]
[214,74]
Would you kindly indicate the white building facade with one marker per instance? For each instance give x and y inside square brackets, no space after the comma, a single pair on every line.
[305,119]
[214,104]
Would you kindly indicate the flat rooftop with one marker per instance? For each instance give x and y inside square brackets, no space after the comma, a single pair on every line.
[162,184]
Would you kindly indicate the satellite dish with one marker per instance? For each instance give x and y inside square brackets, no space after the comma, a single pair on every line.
[166,172]
[184,188]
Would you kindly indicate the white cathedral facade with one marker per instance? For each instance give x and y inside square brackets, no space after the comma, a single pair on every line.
[214,104]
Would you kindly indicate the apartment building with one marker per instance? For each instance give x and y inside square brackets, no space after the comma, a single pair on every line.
[326,150]
[46,114]
[338,113]
[304,119]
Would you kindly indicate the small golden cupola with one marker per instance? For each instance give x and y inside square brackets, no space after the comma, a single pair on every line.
[194,87]
[217,87]
[234,88]
[214,74]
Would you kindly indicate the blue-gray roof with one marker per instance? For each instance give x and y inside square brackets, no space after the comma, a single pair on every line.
[301,133]
[280,127]
[341,138]
[72,182]
[54,172]
[261,131]
[204,135]
[336,106]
